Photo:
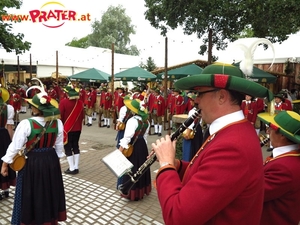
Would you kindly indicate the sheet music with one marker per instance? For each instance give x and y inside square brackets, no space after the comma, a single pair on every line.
[117,163]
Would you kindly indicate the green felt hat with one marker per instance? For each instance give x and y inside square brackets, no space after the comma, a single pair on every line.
[137,106]
[279,95]
[192,96]
[223,76]
[287,122]
[4,95]
[43,102]
[72,92]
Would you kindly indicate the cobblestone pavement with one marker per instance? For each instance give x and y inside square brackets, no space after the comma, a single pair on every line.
[91,195]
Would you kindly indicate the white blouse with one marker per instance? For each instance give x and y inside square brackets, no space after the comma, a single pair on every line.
[23,131]
[131,126]
[10,115]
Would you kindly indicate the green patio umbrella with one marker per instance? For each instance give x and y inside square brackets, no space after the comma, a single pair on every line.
[180,72]
[91,75]
[134,74]
[260,76]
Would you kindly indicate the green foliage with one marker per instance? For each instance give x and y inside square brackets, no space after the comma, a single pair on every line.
[114,27]
[150,64]
[81,43]
[226,19]
[8,40]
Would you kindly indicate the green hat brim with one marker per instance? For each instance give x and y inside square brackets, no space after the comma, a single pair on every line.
[224,81]
[50,111]
[5,94]
[129,104]
[268,119]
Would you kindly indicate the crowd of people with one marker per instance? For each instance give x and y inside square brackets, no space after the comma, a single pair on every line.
[221,177]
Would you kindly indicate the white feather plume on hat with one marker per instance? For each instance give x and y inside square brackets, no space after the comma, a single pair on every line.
[248,46]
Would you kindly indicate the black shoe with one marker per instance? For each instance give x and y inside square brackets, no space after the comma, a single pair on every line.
[1,196]
[155,133]
[68,171]
[6,194]
[94,119]
[159,134]
[108,126]
[89,124]
[76,170]
[104,125]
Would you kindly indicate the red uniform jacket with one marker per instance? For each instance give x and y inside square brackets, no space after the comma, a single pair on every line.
[179,104]
[82,94]
[106,100]
[138,96]
[250,111]
[62,95]
[223,185]
[119,101]
[15,101]
[281,106]
[170,102]
[150,101]
[189,105]
[260,105]
[65,107]
[282,192]
[93,97]
[158,105]
[88,100]
[52,93]
[289,104]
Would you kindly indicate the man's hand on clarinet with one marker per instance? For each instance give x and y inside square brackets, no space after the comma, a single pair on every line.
[165,150]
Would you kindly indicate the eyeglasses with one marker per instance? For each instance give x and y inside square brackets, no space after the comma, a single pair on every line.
[201,93]
[271,126]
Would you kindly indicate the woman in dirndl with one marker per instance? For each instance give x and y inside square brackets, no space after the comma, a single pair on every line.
[135,134]
[124,115]
[6,133]
[39,195]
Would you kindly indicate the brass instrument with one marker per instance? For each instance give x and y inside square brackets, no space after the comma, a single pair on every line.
[126,187]
[121,126]
[188,134]
[264,140]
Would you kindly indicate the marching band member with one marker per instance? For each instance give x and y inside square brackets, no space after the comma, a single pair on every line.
[281,169]
[6,134]
[105,106]
[157,110]
[136,135]
[39,194]
[280,103]
[249,108]
[224,182]
[192,136]
[72,114]
[15,101]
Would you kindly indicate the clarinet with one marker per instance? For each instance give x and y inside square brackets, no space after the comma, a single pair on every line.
[126,187]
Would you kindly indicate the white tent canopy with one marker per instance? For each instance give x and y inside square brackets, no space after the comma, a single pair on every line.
[71,60]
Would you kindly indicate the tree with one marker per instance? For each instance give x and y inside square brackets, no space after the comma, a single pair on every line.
[150,64]
[79,43]
[220,21]
[8,40]
[114,27]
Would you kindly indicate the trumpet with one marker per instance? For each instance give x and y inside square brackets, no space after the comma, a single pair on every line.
[127,186]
